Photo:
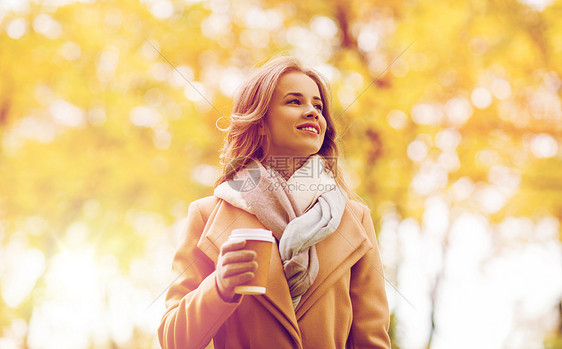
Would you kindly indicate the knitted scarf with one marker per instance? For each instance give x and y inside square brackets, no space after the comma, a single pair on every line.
[300,212]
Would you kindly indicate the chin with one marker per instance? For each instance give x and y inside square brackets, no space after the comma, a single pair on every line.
[311,153]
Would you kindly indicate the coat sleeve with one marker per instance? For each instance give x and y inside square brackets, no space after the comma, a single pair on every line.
[371,319]
[194,309]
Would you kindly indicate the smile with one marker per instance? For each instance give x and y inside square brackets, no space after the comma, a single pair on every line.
[309,130]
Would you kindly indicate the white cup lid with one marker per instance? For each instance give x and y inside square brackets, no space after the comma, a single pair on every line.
[252,234]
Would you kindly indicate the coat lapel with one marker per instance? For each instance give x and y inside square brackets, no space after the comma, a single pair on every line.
[336,254]
[223,219]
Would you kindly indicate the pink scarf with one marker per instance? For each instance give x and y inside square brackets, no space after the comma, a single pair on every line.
[279,207]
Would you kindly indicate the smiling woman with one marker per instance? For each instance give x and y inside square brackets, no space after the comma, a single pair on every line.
[294,123]
[325,285]
[270,109]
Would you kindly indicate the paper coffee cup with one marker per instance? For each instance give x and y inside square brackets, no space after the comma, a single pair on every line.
[261,241]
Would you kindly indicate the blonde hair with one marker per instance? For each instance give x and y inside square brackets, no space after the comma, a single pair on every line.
[245,143]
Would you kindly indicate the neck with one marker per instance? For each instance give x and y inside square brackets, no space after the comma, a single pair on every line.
[285,165]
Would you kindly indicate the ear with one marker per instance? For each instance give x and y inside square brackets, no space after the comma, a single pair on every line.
[262,130]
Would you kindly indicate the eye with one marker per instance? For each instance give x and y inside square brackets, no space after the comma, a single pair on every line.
[294,101]
[318,106]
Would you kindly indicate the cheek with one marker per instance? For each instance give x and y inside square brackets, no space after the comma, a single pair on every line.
[325,127]
[325,134]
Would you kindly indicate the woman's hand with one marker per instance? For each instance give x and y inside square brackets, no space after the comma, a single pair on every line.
[235,267]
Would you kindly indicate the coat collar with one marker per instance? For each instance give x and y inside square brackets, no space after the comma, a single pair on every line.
[336,254]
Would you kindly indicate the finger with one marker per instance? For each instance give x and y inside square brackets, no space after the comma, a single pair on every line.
[232,245]
[238,256]
[238,280]
[239,268]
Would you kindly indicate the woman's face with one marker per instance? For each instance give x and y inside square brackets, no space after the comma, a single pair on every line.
[294,121]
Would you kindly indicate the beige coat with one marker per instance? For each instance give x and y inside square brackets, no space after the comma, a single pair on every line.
[345,307]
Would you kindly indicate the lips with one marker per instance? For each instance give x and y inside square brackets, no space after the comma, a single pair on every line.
[310,127]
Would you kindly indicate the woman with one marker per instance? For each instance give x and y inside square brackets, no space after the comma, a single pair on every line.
[325,286]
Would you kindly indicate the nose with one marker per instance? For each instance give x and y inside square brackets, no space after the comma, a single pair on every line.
[312,113]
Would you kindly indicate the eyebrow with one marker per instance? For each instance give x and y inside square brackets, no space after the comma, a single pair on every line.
[298,94]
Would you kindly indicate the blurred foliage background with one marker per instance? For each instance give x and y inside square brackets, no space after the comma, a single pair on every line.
[451,123]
